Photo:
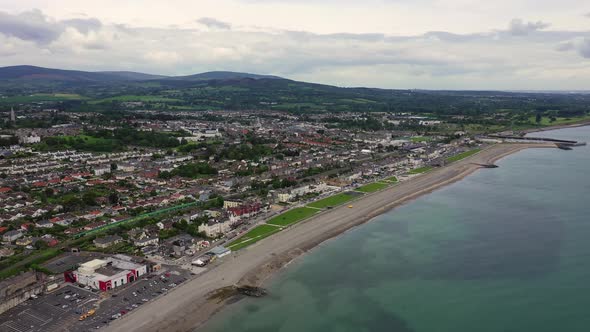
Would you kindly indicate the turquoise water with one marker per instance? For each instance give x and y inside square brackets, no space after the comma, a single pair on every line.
[503,250]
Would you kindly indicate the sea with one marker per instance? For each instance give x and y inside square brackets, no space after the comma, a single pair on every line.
[503,250]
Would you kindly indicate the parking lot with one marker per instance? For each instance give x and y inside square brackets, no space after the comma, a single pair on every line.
[132,296]
[61,309]
[56,311]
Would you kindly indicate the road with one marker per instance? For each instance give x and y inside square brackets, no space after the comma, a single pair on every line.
[187,306]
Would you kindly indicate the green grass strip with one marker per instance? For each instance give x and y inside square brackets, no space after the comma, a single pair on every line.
[292,216]
[462,155]
[333,201]
[372,187]
[254,235]
[421,170]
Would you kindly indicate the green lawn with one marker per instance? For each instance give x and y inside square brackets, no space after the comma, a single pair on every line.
[40,97]
[392,179]
[147,99]
[335,200]
[462,155]
[253,236]
[417,139]
[546,121]
[372,187]
[421,170]
[292,216]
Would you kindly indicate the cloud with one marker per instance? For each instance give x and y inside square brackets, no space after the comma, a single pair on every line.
[214,23]
[547,59]
[84,25]
[35,26]
[31,25]
[580,45]
[518,27]
[162,57]
[584,48]
[565,46]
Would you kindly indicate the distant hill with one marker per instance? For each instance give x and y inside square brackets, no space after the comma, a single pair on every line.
[132,76]
[222,75]
[33,73]
[224,90]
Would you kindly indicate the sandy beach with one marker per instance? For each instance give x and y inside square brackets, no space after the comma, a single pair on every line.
[188,306]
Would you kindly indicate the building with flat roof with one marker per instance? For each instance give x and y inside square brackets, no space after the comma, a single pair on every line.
[106,274]
[219,251]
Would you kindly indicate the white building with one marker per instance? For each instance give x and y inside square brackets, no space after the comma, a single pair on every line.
[214,228]
[146,241]
[32,139]
[106,274]
[102,170]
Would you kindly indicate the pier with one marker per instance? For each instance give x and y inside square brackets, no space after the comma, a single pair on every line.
[538,139]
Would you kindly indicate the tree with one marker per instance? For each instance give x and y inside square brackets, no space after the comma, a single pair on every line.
[538,118]
[114,198]
[89,198]
[40,244]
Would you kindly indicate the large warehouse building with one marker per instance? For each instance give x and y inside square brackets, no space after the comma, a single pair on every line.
[108,273]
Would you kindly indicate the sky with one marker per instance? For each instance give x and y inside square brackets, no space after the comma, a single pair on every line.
[425,44]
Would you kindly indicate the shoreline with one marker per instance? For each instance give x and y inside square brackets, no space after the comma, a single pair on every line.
[189,306]
[557,127]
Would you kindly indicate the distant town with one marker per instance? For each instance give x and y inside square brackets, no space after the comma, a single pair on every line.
[103,212]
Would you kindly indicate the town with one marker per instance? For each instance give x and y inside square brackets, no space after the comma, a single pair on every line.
[103,212]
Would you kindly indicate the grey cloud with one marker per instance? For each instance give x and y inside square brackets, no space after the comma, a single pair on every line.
[585,48]
[362,36]
[84,25]
[35,26]
[565,46]
[453,37]
[214,23]
[342,58]
[579,45]
[518,27]
[30,26]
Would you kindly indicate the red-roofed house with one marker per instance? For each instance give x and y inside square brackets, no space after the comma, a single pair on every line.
[94,225]
[93,215]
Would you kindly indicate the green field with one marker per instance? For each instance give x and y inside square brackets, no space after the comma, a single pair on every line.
[147,99]
[253,236]
[392,179]
[335,200]
[546,121]
[80,142]
[372,187]
[462,155]
[292,216]
[417,139]
[421,170]
[41,97]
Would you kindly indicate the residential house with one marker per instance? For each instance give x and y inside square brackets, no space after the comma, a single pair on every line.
[215,228]
[146,241]
[107,241]
[44,224]
[12,235]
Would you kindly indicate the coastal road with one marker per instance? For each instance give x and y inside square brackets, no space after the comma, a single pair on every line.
[187,306]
